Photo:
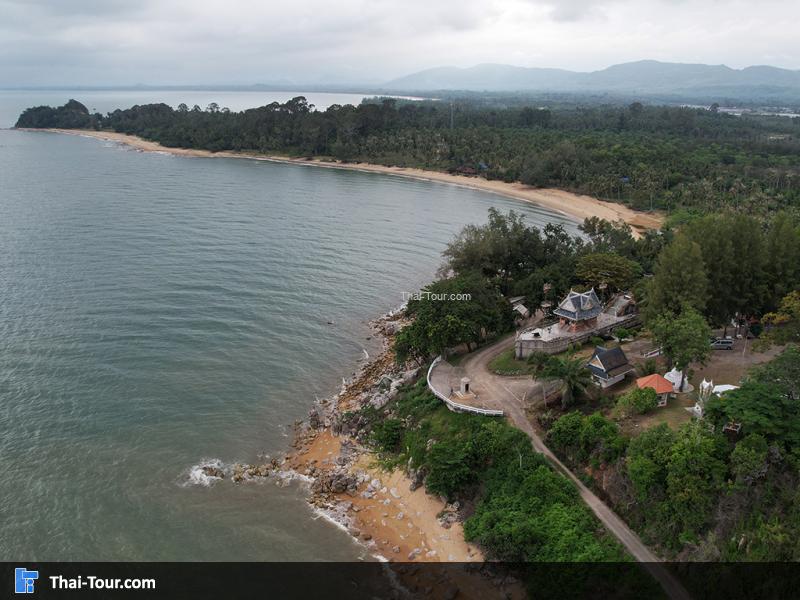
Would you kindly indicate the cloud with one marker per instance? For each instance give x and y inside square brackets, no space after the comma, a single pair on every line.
[113,42]
[577,10]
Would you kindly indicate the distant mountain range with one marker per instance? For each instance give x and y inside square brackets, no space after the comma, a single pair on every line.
[646,77]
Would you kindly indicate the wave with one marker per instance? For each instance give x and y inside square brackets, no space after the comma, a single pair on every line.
[202,473]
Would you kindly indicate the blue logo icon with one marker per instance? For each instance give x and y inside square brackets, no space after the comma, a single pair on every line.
[24,580]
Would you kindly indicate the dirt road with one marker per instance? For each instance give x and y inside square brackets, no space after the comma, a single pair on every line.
[509,393]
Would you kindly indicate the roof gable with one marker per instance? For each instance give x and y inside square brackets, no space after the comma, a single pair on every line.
[655,382]
[609,363]
[610,359]
[580,305]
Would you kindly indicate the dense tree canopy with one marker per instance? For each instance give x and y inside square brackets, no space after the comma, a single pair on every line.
[735,257]
[449,312]
[507,251]
[768,403]
[680,279]
[649,157]
[73,115]
[684,338]
[617,272]
[784,323]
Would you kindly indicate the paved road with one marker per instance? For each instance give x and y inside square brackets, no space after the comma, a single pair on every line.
[509,393]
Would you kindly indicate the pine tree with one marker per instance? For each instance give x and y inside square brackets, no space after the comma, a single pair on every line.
[783,258]
[735,255]
[680,278]
[713,234]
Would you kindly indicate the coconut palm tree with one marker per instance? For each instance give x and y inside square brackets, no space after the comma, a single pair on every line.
[572,373]
[537,361]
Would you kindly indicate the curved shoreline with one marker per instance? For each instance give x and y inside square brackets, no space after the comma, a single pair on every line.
[577,206]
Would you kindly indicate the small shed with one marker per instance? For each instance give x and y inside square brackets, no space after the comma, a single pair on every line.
[656,382]
[522,311]
[608,366]
[517,305]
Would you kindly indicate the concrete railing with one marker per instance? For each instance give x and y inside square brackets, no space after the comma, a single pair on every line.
[455,406]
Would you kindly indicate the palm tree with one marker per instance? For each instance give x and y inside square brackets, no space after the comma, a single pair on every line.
[572,373]
[537,361]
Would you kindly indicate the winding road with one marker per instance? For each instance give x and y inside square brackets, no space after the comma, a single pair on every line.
[509,394]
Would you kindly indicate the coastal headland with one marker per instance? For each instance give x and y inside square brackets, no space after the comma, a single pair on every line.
[577,206]
[387,511]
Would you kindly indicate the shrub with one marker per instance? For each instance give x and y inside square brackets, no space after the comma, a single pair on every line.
[386,434]
[546,418]
[450,467]
[538,360]
[647,459]
[600,438]
[749,459]
[648,367]
[578,438]
[564,435]
[596,341]
[637,401]
[622,333]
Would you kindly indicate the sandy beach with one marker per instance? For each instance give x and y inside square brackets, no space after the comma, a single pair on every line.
[387,511]
[577,206]
[399,522]
[383,509]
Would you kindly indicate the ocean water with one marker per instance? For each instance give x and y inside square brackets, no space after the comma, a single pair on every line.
[157,311]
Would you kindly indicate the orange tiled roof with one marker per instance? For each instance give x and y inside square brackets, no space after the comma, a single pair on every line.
[656,382]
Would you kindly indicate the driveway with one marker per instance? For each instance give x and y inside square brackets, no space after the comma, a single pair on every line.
[510,393]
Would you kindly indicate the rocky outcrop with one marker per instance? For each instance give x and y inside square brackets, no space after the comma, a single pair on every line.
[212,471]
[244,472]
[449,515]
[337,481]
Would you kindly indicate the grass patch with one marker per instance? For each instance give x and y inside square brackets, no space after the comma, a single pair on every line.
[506,363]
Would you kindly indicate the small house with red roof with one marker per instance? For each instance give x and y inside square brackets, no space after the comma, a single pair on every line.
[662,387]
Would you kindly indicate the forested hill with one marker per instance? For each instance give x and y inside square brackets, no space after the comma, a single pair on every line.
[645,78]
[645,156]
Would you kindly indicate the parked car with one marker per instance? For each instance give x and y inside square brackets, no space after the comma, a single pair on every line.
[722,343]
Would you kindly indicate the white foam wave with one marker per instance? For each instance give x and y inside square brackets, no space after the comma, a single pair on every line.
[335,518]
[197,474]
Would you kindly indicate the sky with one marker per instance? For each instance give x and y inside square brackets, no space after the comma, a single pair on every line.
[351,42]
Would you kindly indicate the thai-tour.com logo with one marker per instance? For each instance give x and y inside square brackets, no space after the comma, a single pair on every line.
[24,580]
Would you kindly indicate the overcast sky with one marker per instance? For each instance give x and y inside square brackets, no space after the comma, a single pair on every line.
[119,42]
